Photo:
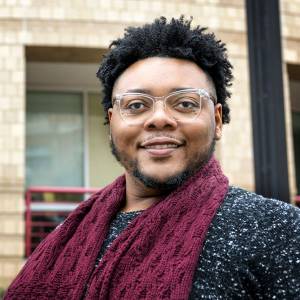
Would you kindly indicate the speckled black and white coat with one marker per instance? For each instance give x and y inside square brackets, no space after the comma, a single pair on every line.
[252,249]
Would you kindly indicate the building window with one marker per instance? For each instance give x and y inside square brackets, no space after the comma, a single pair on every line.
[54,139]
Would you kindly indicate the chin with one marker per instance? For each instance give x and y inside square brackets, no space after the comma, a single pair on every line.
[158,179]
[166,183]
[161,173]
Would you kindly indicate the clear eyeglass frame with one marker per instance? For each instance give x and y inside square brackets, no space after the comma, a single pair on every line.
[201,92]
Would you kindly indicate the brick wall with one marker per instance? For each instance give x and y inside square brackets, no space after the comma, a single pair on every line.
[12,99]
[94,23]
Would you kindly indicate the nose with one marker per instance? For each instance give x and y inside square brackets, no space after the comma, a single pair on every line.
[160,119]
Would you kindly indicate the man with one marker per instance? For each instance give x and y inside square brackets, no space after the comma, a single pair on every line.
[171,227]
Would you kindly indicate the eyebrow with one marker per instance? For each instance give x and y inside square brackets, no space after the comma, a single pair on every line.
[146,91]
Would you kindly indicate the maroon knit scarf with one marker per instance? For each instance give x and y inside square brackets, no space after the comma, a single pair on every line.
[153,258]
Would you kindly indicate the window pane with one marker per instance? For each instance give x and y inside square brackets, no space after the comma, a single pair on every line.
[54,139]
[103,167]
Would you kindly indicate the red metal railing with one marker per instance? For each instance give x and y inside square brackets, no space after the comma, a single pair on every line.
[42,216]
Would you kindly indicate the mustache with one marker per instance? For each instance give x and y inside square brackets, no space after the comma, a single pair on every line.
[163,134]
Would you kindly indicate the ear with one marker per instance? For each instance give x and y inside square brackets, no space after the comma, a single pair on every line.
[109,113]
[218,121]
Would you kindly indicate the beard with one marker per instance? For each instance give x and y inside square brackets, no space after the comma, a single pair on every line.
[171,183]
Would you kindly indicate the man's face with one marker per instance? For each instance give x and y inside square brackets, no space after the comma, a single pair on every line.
[162,150]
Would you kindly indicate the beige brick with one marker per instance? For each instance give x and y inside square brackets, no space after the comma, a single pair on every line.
[10,89]
[12,203]
[4,51]
[11,224]
[11,246]
[25,3]
[21,171]
[17,143]
[117,4]
[157,6]
[9,116]
[58,13]
[17,158]
[9,170]
[11,2]
[9,267]
[290,55]
[17,77]
[5,12]
[4,75]
[45,13]
[4,158]
[17,129]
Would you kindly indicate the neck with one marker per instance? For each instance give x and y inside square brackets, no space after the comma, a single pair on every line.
[138,196]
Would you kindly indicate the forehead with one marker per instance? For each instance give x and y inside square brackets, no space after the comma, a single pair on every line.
[160,75]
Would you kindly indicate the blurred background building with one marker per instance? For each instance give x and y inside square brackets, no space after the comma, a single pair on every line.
[51,119]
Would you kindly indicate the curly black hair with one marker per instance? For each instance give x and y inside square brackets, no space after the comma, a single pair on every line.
[175,39]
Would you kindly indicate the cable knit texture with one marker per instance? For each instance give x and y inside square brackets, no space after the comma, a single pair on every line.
[155,257]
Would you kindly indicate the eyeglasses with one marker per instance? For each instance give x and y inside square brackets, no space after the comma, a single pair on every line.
[183,105]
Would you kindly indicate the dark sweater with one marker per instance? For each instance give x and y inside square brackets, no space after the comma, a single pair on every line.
[252,249]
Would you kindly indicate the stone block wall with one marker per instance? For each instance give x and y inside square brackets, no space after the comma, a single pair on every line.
[12,137]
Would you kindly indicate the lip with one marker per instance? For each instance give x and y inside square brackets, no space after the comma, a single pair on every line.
[161,146]
[161,140]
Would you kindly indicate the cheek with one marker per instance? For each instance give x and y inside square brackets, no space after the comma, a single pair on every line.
[200,135]
[123,136]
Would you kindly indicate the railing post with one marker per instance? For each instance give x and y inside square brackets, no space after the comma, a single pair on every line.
[31,208]
[28,223]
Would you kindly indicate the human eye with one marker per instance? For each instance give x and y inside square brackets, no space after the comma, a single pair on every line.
[135,104]
[186,104]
